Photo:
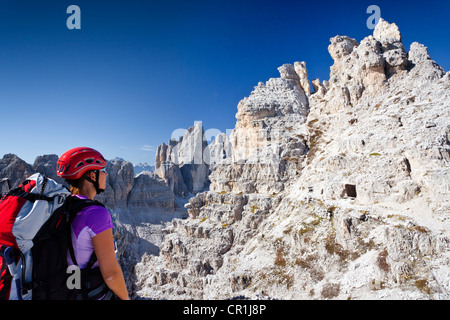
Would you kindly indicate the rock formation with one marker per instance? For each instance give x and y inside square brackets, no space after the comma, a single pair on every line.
[5,186]
[182,165]
[266,148]
[150,191]
[14,169]
[46,165]
[218,151]
[120,181]
[342,193]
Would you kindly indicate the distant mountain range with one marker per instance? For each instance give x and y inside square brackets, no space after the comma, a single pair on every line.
[143,166]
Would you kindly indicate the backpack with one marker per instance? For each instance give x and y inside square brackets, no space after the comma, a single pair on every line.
[35,239]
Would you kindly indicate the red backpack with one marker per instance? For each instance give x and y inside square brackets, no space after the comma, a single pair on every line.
[35,238]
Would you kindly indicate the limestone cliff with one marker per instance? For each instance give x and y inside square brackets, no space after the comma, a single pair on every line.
[181,163]
[14,170]
[339,193]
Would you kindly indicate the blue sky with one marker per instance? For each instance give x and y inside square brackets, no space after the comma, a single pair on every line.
[138,70]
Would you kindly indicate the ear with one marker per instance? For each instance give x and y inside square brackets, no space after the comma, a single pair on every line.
[93,176]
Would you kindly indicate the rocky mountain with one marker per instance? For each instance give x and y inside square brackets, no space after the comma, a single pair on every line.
[143,167]
[337,193]
[14,170]
[181,163]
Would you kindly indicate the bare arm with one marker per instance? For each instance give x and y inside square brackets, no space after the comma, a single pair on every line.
[109,266]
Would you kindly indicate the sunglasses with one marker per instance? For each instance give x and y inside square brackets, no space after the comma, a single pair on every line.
[103,170]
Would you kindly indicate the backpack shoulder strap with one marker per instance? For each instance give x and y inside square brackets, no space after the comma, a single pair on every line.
[75,204]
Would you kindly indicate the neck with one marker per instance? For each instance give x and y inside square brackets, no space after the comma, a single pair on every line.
[88,191]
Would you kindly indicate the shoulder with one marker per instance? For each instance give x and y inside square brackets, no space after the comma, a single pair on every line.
[97,209]
[81,204]
[96,217]
[96,212]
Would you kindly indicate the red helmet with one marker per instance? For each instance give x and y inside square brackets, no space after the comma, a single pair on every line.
[77,161]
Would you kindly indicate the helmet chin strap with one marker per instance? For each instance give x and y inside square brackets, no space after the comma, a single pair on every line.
[95,183]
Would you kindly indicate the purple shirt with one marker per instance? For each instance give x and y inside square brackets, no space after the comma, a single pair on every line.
[87,224]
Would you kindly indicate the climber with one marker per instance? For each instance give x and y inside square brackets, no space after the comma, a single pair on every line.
[92,237]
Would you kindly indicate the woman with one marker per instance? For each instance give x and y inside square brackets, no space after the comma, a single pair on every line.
[84,169]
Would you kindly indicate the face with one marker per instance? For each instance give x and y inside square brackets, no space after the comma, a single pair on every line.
[102,179]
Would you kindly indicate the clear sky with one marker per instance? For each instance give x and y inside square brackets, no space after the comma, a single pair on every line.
[138,70]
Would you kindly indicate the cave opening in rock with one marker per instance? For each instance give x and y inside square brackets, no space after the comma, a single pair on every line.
[350,190]
[407,165]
